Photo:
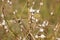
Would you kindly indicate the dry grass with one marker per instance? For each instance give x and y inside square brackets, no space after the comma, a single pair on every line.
[18,25]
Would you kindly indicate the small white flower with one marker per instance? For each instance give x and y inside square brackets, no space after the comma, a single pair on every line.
[3,23]
[42,36]
[37,11]
[2,15]
[20,38]
[33,18]
[21,30]
[5,27]
[10,2]
[43,25]
[24,38]
[54,29]
[36,36]
[36,20]
[0,24]
[41,3]
[14,13]
[51,13]
[32,14]
[41,29]
[44,22]
[58,38]
[7,30]
[33,3]
[31,10]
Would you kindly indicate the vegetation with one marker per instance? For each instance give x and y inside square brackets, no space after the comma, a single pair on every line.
[29,19]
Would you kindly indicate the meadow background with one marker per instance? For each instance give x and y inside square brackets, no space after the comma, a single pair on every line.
[16,32]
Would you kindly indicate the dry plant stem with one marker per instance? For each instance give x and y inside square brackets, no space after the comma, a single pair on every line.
[3,11]
[57,28]
[32,35]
